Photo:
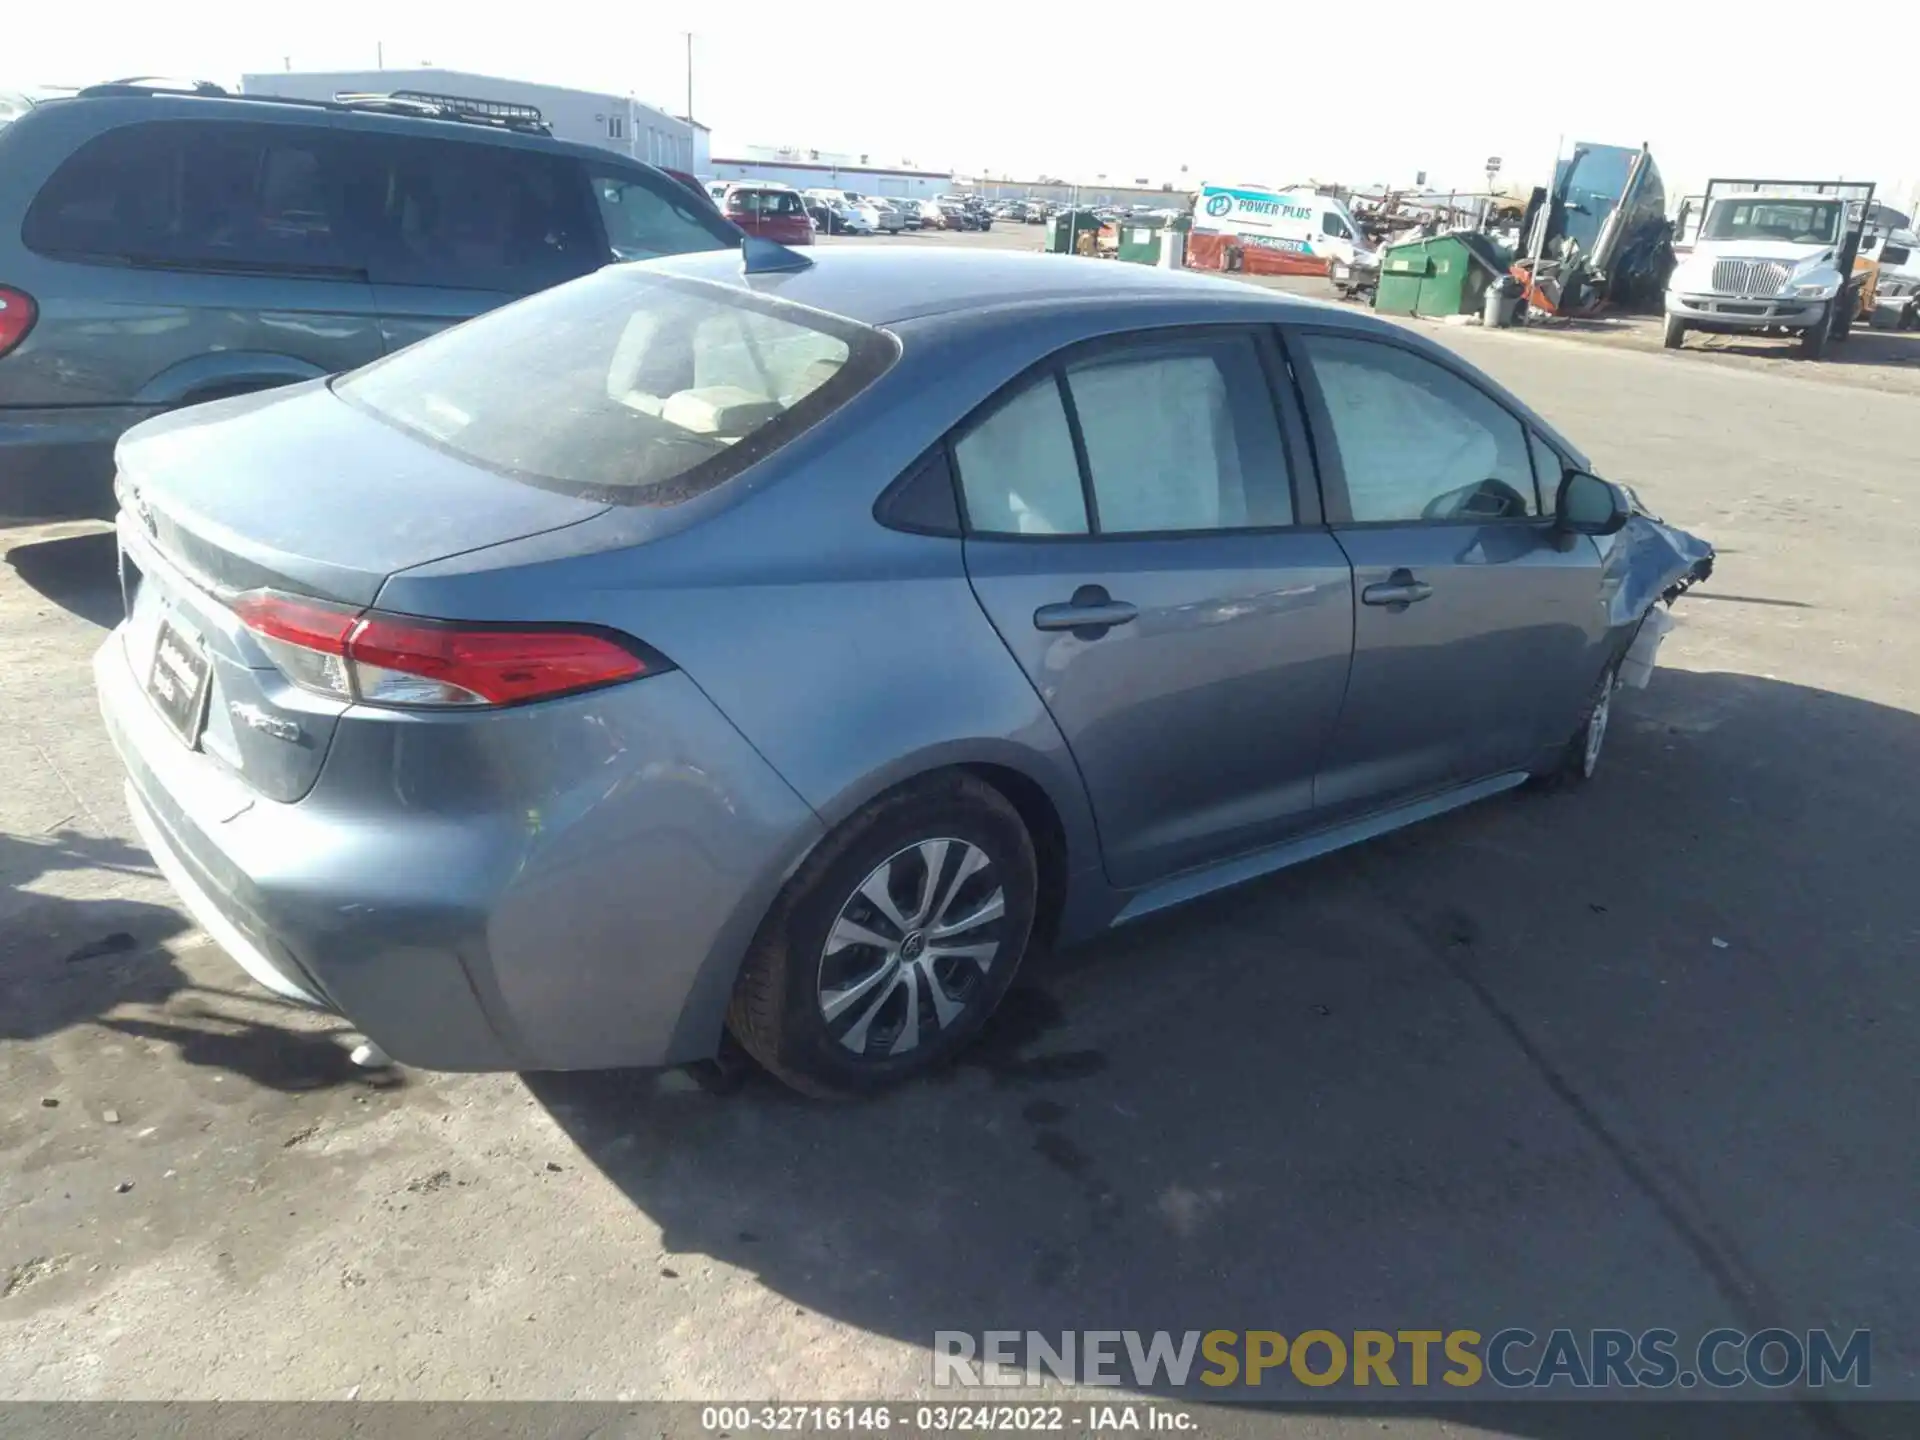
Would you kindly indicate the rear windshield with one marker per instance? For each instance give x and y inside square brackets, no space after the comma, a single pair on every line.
[628,385]
[765,202]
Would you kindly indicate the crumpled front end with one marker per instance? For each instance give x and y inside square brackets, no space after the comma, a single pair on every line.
[1648,561]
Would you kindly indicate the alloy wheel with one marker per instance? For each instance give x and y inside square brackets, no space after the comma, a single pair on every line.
[911,947]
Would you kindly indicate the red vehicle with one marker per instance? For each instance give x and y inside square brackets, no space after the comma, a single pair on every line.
[772,212]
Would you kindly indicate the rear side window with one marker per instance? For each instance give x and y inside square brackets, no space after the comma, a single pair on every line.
[643,222]
[198,195]
[628,386]
[469,215]
[1018,469]
[1178,434]
[1182,435]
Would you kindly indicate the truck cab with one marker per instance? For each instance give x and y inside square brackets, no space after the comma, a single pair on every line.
[1771,258]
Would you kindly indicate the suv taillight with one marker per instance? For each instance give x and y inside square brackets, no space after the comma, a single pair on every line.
[380,659]
[17,314]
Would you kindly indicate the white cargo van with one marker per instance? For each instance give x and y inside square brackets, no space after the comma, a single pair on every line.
[1315,228]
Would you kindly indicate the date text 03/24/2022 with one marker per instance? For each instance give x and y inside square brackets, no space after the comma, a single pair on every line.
[921,1419]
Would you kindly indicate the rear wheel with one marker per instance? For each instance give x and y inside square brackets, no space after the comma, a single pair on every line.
[1676,334]
[888,950]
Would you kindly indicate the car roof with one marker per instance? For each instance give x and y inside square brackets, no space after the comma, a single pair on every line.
[118,106]
[878,285]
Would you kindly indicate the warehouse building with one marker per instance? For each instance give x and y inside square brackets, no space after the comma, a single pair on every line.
[613,122]
[824,170]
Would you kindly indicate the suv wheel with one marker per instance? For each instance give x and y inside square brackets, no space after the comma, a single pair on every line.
[888,950]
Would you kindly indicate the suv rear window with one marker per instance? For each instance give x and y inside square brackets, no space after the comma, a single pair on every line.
[197,194]
[392,208]
[627,386]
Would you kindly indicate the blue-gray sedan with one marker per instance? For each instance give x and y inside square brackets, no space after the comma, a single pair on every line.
[789,647]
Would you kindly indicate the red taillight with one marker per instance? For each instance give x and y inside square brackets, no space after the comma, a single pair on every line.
[381,659]
[17,314]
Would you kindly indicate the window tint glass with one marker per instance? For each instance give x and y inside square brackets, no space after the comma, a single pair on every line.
[639,387]
[470,215]
[642,222]
[1416,441]
[194,194]
[1332,224]
[1182,437]
[1548,470]
[1017,467]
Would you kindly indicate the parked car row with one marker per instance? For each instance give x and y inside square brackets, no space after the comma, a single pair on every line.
[837,212]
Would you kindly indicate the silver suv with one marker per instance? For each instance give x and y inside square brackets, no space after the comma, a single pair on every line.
[160,248]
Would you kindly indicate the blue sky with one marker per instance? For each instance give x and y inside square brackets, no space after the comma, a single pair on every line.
[1359,92]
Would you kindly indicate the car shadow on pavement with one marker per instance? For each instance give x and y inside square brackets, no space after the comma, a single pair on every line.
[108,962]
[79,573]
[1632,1054]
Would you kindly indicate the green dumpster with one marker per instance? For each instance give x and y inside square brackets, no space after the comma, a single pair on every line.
[1441,275]
[1401,270]
[1066,228]
[1140,239]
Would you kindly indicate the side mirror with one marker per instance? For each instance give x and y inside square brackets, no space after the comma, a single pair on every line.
[1588,505]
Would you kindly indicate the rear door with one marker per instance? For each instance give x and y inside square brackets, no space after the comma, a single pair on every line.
[1476,621]
[1142,531]
[455,227]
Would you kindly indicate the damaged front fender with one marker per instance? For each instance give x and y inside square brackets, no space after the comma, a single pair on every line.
[1648,560]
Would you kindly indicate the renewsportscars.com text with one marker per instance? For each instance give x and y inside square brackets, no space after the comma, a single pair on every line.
[1511,1359]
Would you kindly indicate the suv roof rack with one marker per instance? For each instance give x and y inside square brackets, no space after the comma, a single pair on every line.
[421,104]
[498,113]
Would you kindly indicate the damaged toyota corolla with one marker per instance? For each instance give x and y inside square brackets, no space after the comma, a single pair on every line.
[747,643]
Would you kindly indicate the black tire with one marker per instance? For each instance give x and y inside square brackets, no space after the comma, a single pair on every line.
[1576,763]
[778,1007]
[1676,333]
[1813,339]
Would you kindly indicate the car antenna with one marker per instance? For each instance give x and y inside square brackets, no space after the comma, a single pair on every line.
[764,257]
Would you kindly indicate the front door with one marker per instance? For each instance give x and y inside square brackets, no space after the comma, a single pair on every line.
[1133,534]
[1477,627]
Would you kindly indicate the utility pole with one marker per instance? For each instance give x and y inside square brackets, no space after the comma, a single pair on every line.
[689,35]
[379,55]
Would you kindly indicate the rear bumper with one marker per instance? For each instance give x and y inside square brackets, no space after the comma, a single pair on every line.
[602,926]
[56,463]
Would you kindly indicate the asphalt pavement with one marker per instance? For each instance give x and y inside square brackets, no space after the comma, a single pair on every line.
[1636,1055]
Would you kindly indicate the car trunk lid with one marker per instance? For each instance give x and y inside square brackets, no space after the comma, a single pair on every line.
[238,494]
[291,491]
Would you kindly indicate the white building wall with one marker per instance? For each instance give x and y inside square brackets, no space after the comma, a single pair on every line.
[613,122]
[868,180]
